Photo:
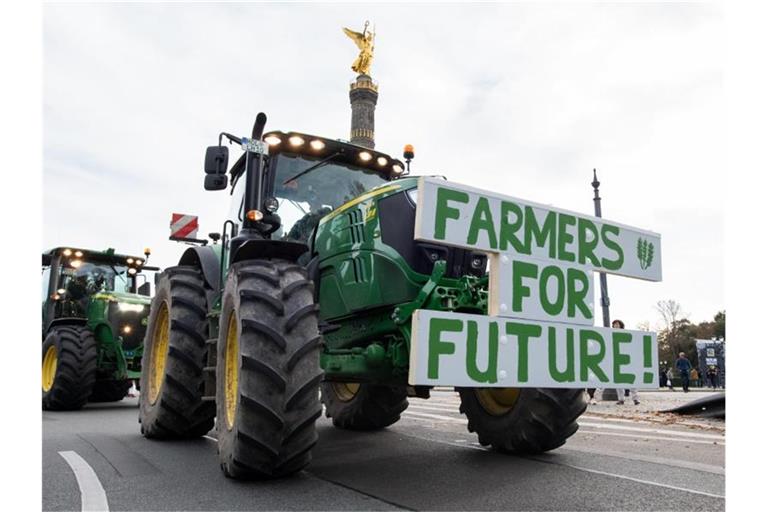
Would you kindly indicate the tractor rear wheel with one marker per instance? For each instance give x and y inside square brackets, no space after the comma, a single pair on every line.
[363,406]
[175,350]
[110,390]
[268,370]
[69,367]
[522,420]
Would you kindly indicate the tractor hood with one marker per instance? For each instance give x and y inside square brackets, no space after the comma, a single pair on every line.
[126,313]
[126,298]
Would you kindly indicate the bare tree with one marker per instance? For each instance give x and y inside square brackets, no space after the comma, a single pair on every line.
[674,319]
[670,311]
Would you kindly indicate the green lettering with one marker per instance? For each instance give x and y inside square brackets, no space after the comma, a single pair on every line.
[620,359]
[482,220]
[564,237]
[577,295]
[507,231]
[613,245]
[437,326]
[591,361]
[521,269]
[541,235]
[569,374]
[523,332]
[552,308]
[443,212]
[587,246]
[489,375]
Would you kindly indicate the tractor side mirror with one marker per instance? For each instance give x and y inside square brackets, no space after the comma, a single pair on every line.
[215,181]
[144,289]
[216,160]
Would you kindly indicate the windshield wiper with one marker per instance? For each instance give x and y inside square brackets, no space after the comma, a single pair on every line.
[312,167]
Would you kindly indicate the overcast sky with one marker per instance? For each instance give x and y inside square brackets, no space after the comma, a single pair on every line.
[523,99]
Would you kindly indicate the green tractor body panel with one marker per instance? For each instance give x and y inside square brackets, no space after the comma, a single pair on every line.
[100,293]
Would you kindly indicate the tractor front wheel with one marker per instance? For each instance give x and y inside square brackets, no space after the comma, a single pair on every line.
[522,420]
[175,350]
[69,367]
[268,370]
[355,406]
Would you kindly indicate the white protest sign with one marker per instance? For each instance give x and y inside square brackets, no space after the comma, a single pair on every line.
[467,217]
[540,290]
[456,349]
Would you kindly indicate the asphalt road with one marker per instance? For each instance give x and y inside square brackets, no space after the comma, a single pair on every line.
[428,460]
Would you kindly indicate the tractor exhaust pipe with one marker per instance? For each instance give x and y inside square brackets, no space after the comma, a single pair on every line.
[258,126]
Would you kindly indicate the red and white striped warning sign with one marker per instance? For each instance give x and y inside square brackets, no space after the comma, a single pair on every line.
[183,226]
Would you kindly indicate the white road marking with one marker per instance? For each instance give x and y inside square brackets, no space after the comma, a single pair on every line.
[641,436]
[579,468]
[420,415]
[653,431]
[638,480]
[92,495]
[212,439]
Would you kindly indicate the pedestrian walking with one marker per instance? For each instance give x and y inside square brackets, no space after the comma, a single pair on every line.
[712,376]
[669,379]
[695,377]
[683,366]
[662,377]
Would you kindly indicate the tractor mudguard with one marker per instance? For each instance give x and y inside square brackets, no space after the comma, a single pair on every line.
[206,259]
[64,321]
[253,249]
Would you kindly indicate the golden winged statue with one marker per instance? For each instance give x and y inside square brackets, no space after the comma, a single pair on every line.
[364,42]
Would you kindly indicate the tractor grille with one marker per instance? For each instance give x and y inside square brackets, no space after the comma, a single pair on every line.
[128,325]
[397,217]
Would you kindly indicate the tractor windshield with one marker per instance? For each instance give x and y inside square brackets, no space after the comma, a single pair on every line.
[305,200]
[89,278]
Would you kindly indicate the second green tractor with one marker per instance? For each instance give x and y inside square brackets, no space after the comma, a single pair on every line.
[312,287]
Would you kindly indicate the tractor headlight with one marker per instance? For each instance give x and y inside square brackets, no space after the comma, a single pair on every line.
[413,195]
[271,204]
[135,308]
[127,329]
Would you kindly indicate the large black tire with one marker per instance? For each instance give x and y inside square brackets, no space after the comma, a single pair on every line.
[363,406]
[110,390]
[271,363]
[75,367]
[170,404]
[537,421]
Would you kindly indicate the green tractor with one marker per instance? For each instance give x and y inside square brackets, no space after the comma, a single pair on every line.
[312,288]
[94,318]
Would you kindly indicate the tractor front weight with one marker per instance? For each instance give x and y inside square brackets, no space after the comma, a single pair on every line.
[383,356]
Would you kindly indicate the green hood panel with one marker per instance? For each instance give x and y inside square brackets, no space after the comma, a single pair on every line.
[128,298]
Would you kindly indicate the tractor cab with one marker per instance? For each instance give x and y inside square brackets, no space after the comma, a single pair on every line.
[307,177]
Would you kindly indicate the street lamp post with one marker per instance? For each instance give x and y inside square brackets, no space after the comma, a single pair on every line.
[605,302]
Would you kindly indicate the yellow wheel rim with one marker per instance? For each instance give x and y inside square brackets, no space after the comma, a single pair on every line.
[159,349]
[50,362]
[231,371]
[497,401]
[345,391]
